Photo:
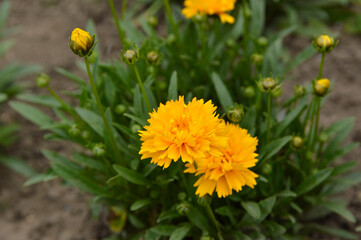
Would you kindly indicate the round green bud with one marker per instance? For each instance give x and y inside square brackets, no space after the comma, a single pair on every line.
[42,80]
[152,21]
[230,43]
[182,196]
[299,91]
[171,39]
[324,137]
[268,84]
[135,128]
[257,59]
[262,41]
[99,150]
[205,200]
[130,56]
[86,135]
[267,168]
[120,109]
[235,114]
[277,92]
[162,85]
[183,208]
[74,130]
[249,92]
[152,57]
[297,142]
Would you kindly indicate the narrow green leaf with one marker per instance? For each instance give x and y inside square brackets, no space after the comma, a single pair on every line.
[42,177]
[266,206]
[344,167]
[92,119]
[71,76]
[339,207]
[305,54]
[274,228]
[223,94]
[31,113]
[180,232]
[252,209]
[290,117]
[136,119]
[130,175]
[334,231]
[313,181]
[197,218]
[258,8]
[140,204]
[173,87]
[273,147]
[18,166]
[39,99]
[163,230]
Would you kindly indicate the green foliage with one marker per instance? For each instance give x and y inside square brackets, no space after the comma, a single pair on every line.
[296,186]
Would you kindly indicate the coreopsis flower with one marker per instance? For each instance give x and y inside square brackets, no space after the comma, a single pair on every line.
[230,171]
[177,130]
[81,43]
[324,43]
[210,7]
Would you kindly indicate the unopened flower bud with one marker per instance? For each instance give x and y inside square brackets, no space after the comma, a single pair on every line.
[262,41]
[182,196]
[152,57]
[171,39]
[249,92]
[257,59]
[321,87]
[162,85]
[299,90]
[267,168]
[135,128]
[81,43]
[324,137]
[183,208]
[99,150]
[74,130]
[230,43]
[152,21]
[42,80]
[324,43]
[235,113]
[205,200]
[86,135]
[130,56]
[277,92]
[120,109]
[268,84]
[297,142]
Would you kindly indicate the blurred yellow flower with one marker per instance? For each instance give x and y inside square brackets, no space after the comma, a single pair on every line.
[177,130]
[231,170]
[210,7]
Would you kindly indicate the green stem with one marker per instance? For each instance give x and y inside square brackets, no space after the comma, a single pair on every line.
[245,27]
[100,107]
[318,110]
[63,104]
[142,88]
[116,20]
[171,19]
[124,8]
[269,99]
[320,70]
[214,220]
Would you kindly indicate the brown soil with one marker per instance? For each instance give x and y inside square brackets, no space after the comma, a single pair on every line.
[57,212]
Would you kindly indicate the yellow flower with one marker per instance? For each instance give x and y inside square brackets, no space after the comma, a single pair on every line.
[210,7]
[177,130]
[324,41]
[81,43]
[230,171]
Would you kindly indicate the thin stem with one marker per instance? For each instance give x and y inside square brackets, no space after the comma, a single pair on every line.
[124,8]
[269,99]
[116,20]
[245,26]
[171,19]
[63,104]
[318,110]
[100,107]
[214,220]
[320,70]
[142,88]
